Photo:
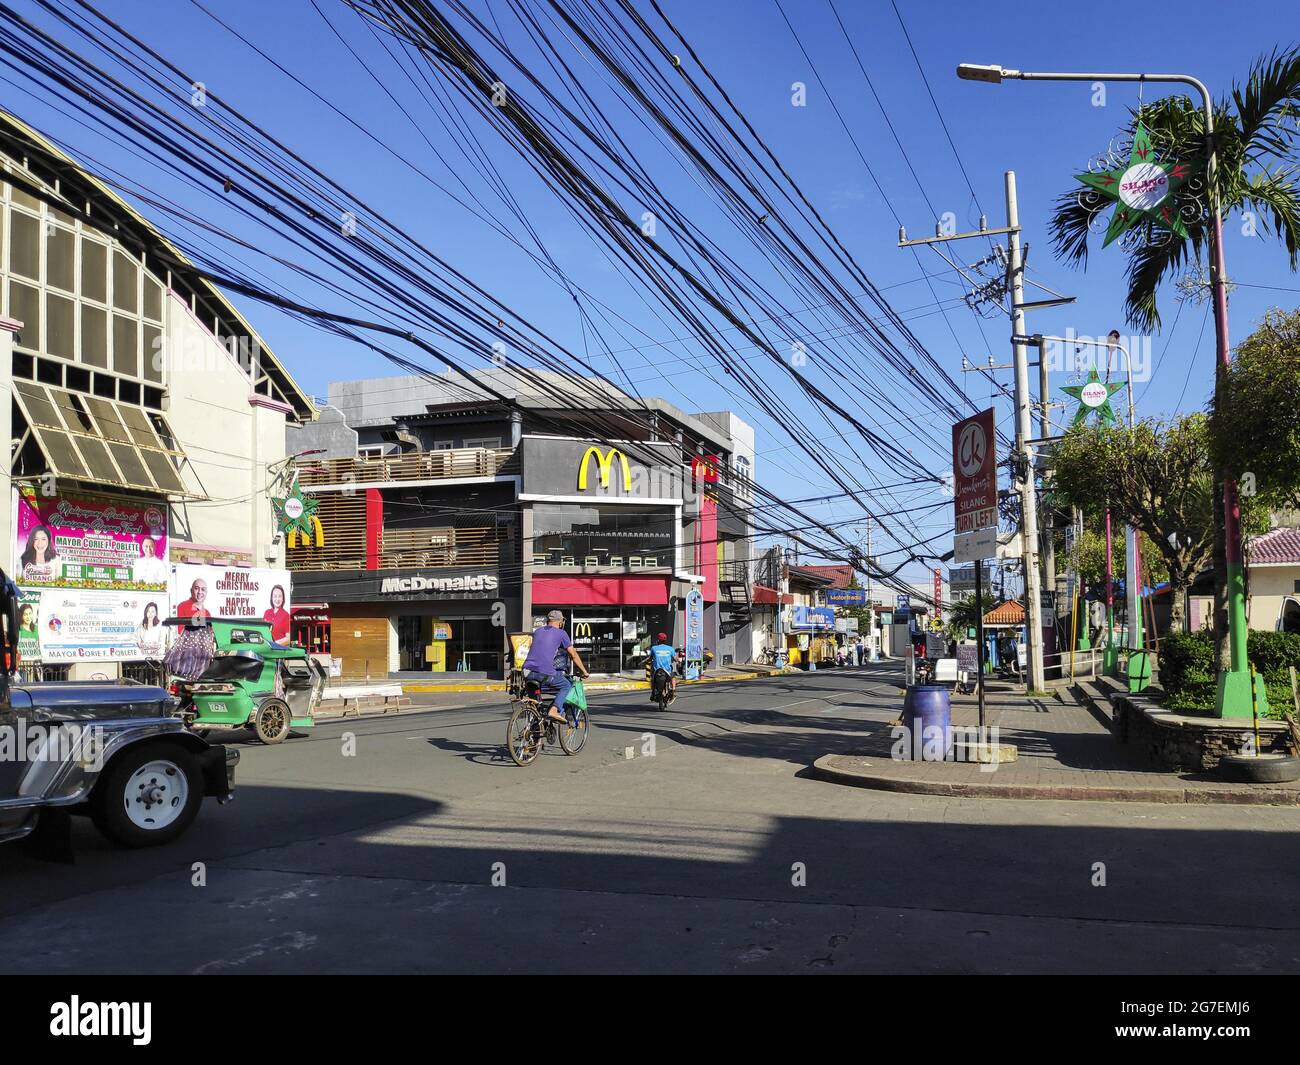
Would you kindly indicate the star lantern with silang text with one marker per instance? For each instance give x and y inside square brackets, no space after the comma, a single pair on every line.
[295,515]
[1143,189]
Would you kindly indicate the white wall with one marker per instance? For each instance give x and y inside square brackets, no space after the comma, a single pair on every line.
[229,441]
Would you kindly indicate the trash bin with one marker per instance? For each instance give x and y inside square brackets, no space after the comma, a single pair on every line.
[925,708]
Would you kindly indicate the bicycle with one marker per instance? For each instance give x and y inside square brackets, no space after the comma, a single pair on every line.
[530,729]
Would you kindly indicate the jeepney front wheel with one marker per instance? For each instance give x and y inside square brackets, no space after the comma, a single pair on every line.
[148,794]
[271,721]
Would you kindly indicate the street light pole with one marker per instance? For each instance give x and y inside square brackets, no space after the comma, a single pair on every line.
[1110,659]
[1233,695]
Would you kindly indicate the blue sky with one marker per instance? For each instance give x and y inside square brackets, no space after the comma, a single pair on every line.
[1045,132]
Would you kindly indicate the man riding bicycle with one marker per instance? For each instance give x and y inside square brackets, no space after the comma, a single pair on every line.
[662,655]
[547,664]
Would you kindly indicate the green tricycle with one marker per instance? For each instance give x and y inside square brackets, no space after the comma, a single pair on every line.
[229,673]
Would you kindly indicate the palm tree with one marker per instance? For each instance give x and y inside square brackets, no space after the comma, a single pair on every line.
[1255,138]
[963,614]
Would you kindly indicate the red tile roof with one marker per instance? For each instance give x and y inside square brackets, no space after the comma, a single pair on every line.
[1277,546]
[839,576]
[1008,613]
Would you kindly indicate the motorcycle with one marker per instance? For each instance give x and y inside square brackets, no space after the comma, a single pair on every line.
[661,688]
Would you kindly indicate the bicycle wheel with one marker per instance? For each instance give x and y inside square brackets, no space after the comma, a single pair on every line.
[573,738]
[524,734]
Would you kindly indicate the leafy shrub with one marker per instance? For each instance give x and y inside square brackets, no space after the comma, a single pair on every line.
[1187,658]
[1187,662]
[1272,653]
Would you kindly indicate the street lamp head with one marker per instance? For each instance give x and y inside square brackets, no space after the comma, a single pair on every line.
[991,72]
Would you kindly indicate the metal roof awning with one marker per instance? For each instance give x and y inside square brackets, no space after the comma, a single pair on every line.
[102,441]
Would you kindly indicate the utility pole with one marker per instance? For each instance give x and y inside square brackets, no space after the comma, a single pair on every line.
[871,604]
[1024,464]
[780,591]
[1012,283]
[1044,432]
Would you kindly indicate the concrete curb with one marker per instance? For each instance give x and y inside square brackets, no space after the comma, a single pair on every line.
[824,769]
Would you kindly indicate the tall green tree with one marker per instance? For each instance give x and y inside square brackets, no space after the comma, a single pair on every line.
[1255,133]
[1157,477]
[1255,428]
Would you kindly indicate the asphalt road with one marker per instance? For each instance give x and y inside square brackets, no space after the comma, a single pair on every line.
[412,843]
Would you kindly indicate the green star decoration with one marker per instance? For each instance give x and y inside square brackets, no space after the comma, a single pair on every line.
[295,512]
[1143,189]
[1094,398]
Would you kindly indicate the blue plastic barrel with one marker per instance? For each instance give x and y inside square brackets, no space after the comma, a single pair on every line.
[926,707]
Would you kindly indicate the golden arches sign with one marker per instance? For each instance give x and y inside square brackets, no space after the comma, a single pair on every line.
[582,629]
[604,462]
[317,528]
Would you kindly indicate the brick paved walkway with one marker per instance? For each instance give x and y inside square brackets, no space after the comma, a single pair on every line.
[1066,751]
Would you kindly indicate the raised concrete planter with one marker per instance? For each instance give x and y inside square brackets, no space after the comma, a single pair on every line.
[1184,742]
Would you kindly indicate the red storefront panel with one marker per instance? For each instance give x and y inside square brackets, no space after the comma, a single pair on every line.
[374,526]
[583,591]
[706,558]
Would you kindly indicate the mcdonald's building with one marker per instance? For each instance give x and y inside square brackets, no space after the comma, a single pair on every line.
[480,516]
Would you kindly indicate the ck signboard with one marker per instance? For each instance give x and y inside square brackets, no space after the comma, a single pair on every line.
[846,596]
[975,473]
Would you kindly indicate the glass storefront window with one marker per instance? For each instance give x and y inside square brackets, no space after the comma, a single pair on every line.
[468,643]
[625,537]
[611,639]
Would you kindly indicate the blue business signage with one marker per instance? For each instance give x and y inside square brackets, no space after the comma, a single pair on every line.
[813,617]
[694,633]
[846,597]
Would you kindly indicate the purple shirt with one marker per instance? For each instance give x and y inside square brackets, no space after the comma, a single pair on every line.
[545,653]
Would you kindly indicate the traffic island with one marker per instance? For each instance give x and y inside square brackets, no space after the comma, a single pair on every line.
[974,781]
[1064,750]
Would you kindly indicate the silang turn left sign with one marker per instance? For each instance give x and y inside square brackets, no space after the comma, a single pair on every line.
[975,473]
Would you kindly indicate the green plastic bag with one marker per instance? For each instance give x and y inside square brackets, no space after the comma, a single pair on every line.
[577,697]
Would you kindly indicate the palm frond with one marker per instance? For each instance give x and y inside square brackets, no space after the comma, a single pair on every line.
[1069,228]
[1149,265]
[1268,106]
[1276,198]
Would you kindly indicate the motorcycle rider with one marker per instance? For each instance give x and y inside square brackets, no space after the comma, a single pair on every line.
[662,655]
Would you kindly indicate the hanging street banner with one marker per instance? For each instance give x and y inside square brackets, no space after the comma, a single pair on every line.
[1143,189]
[29,621]
[94,625]
[233,592]
[975,473]
[82,541]
[1094,398]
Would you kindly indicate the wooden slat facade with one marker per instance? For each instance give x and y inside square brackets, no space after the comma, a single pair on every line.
[343,517]
[404,548]
[420,466]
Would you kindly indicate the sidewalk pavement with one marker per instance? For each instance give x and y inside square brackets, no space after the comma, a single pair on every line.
[1066,751]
